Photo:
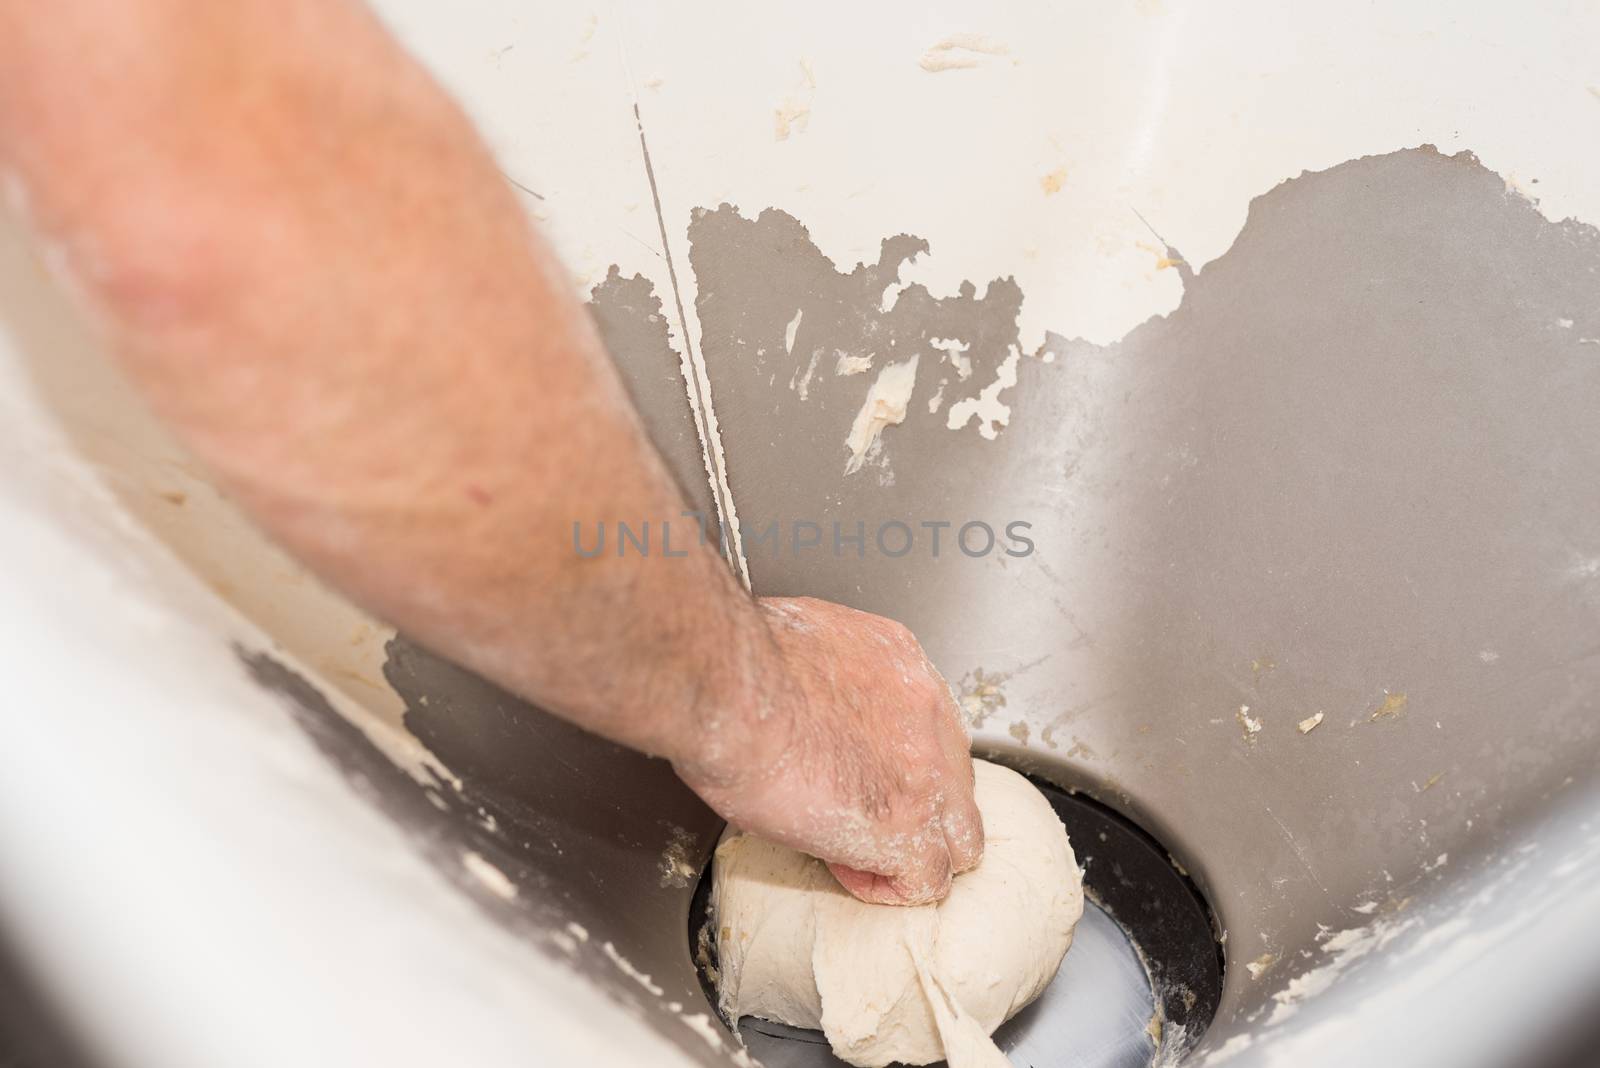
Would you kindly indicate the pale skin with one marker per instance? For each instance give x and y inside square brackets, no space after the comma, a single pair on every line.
[309,264]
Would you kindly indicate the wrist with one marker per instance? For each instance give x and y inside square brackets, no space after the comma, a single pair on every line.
[736,720]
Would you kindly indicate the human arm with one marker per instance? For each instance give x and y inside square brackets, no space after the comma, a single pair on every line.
[306,260]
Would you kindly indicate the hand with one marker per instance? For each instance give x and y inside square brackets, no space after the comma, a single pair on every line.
[850,748]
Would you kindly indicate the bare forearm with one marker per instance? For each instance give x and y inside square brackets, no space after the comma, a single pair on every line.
[311,267]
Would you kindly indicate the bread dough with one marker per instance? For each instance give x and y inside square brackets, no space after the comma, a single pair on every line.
[888,983]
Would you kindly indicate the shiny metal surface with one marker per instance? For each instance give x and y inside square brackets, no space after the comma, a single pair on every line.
[1096,1014]
[1331,455]
[1342,479]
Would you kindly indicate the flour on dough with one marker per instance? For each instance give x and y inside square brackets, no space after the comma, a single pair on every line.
[884,983]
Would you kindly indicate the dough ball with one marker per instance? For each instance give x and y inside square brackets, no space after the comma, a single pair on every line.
[888,983]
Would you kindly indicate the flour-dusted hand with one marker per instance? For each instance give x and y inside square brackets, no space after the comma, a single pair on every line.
[851,749]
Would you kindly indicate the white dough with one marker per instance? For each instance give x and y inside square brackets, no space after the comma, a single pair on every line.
[887,983]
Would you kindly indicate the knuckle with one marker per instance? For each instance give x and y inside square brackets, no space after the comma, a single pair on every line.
[926,688]
[897,632]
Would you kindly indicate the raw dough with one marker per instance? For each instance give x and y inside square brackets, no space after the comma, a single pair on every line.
[886,983]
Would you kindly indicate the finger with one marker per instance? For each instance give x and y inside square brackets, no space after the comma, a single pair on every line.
[963,833]
[926,882]
[861,884]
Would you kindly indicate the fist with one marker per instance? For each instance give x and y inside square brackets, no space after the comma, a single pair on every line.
[851,749]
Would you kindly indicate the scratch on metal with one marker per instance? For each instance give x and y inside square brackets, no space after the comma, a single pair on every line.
[697,381]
